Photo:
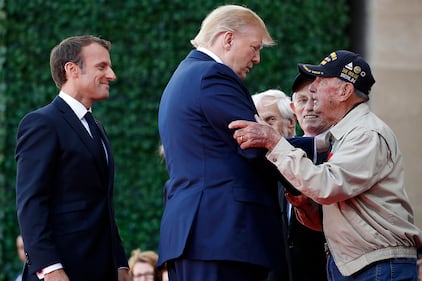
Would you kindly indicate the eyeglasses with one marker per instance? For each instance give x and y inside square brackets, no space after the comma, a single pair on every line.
[147,276]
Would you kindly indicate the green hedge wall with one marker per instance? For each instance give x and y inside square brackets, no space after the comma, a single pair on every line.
[149,38]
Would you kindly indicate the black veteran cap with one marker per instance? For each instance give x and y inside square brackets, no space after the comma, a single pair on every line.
[300,80]
[346,65]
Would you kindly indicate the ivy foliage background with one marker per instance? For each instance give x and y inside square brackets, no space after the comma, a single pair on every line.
[150,38]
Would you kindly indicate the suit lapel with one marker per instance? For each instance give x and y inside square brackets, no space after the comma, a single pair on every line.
[76,125]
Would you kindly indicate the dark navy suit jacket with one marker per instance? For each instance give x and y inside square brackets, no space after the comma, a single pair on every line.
[64,196]
[221,200]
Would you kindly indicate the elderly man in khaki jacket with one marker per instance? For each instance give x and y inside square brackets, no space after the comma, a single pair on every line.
[367,217]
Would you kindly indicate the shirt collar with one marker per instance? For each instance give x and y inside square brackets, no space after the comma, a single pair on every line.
[352,117]
[75,105]
[211,54]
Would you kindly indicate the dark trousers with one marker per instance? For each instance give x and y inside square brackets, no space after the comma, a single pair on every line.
[195,270]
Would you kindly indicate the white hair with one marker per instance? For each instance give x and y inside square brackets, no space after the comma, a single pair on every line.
[283,101]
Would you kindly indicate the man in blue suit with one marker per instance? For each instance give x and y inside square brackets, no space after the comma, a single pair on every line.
[65,173]
[221,219]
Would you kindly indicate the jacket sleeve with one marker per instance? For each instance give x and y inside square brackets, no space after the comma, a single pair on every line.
[225,99]
[304,143]
[36,163]
[307,145]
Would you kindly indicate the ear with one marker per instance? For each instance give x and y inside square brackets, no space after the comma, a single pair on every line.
[346,90]
[292,121]
[228,40]
[71,69]
[292,106]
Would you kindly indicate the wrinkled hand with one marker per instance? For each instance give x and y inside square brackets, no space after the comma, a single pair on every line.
[254,134]
[308,212]
[297,200]
[56,275]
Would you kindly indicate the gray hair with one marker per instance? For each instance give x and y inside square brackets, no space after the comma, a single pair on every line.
[361,95]
[358,93]
[282,100]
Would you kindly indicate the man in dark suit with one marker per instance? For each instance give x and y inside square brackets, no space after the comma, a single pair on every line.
[65,173]
[221,219]
[306,245]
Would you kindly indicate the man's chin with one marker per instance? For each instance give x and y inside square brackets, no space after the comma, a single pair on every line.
[103,96]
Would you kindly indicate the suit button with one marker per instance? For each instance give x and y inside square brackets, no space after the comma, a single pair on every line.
[28,261]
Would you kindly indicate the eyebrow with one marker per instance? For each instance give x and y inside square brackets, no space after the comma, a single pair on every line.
[103,63]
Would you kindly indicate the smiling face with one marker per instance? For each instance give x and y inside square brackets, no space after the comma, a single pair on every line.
[311,123]
[244,50]
[91,78]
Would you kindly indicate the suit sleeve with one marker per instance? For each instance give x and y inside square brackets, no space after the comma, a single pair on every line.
[224,100]
[36,164]
[307,145]
[304,143]
[122,261]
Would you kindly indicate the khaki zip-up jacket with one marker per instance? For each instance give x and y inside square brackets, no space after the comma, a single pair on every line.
[367,215]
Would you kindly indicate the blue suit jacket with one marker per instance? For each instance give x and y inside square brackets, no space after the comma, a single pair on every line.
[221,200]
[64,196]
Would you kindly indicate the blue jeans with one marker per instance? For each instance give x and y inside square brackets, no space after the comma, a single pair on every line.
[397,269]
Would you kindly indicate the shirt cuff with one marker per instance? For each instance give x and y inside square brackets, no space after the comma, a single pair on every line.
[282,148]
[48,269]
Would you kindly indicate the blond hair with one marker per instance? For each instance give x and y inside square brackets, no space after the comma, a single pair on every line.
[229,18]
[149,257]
